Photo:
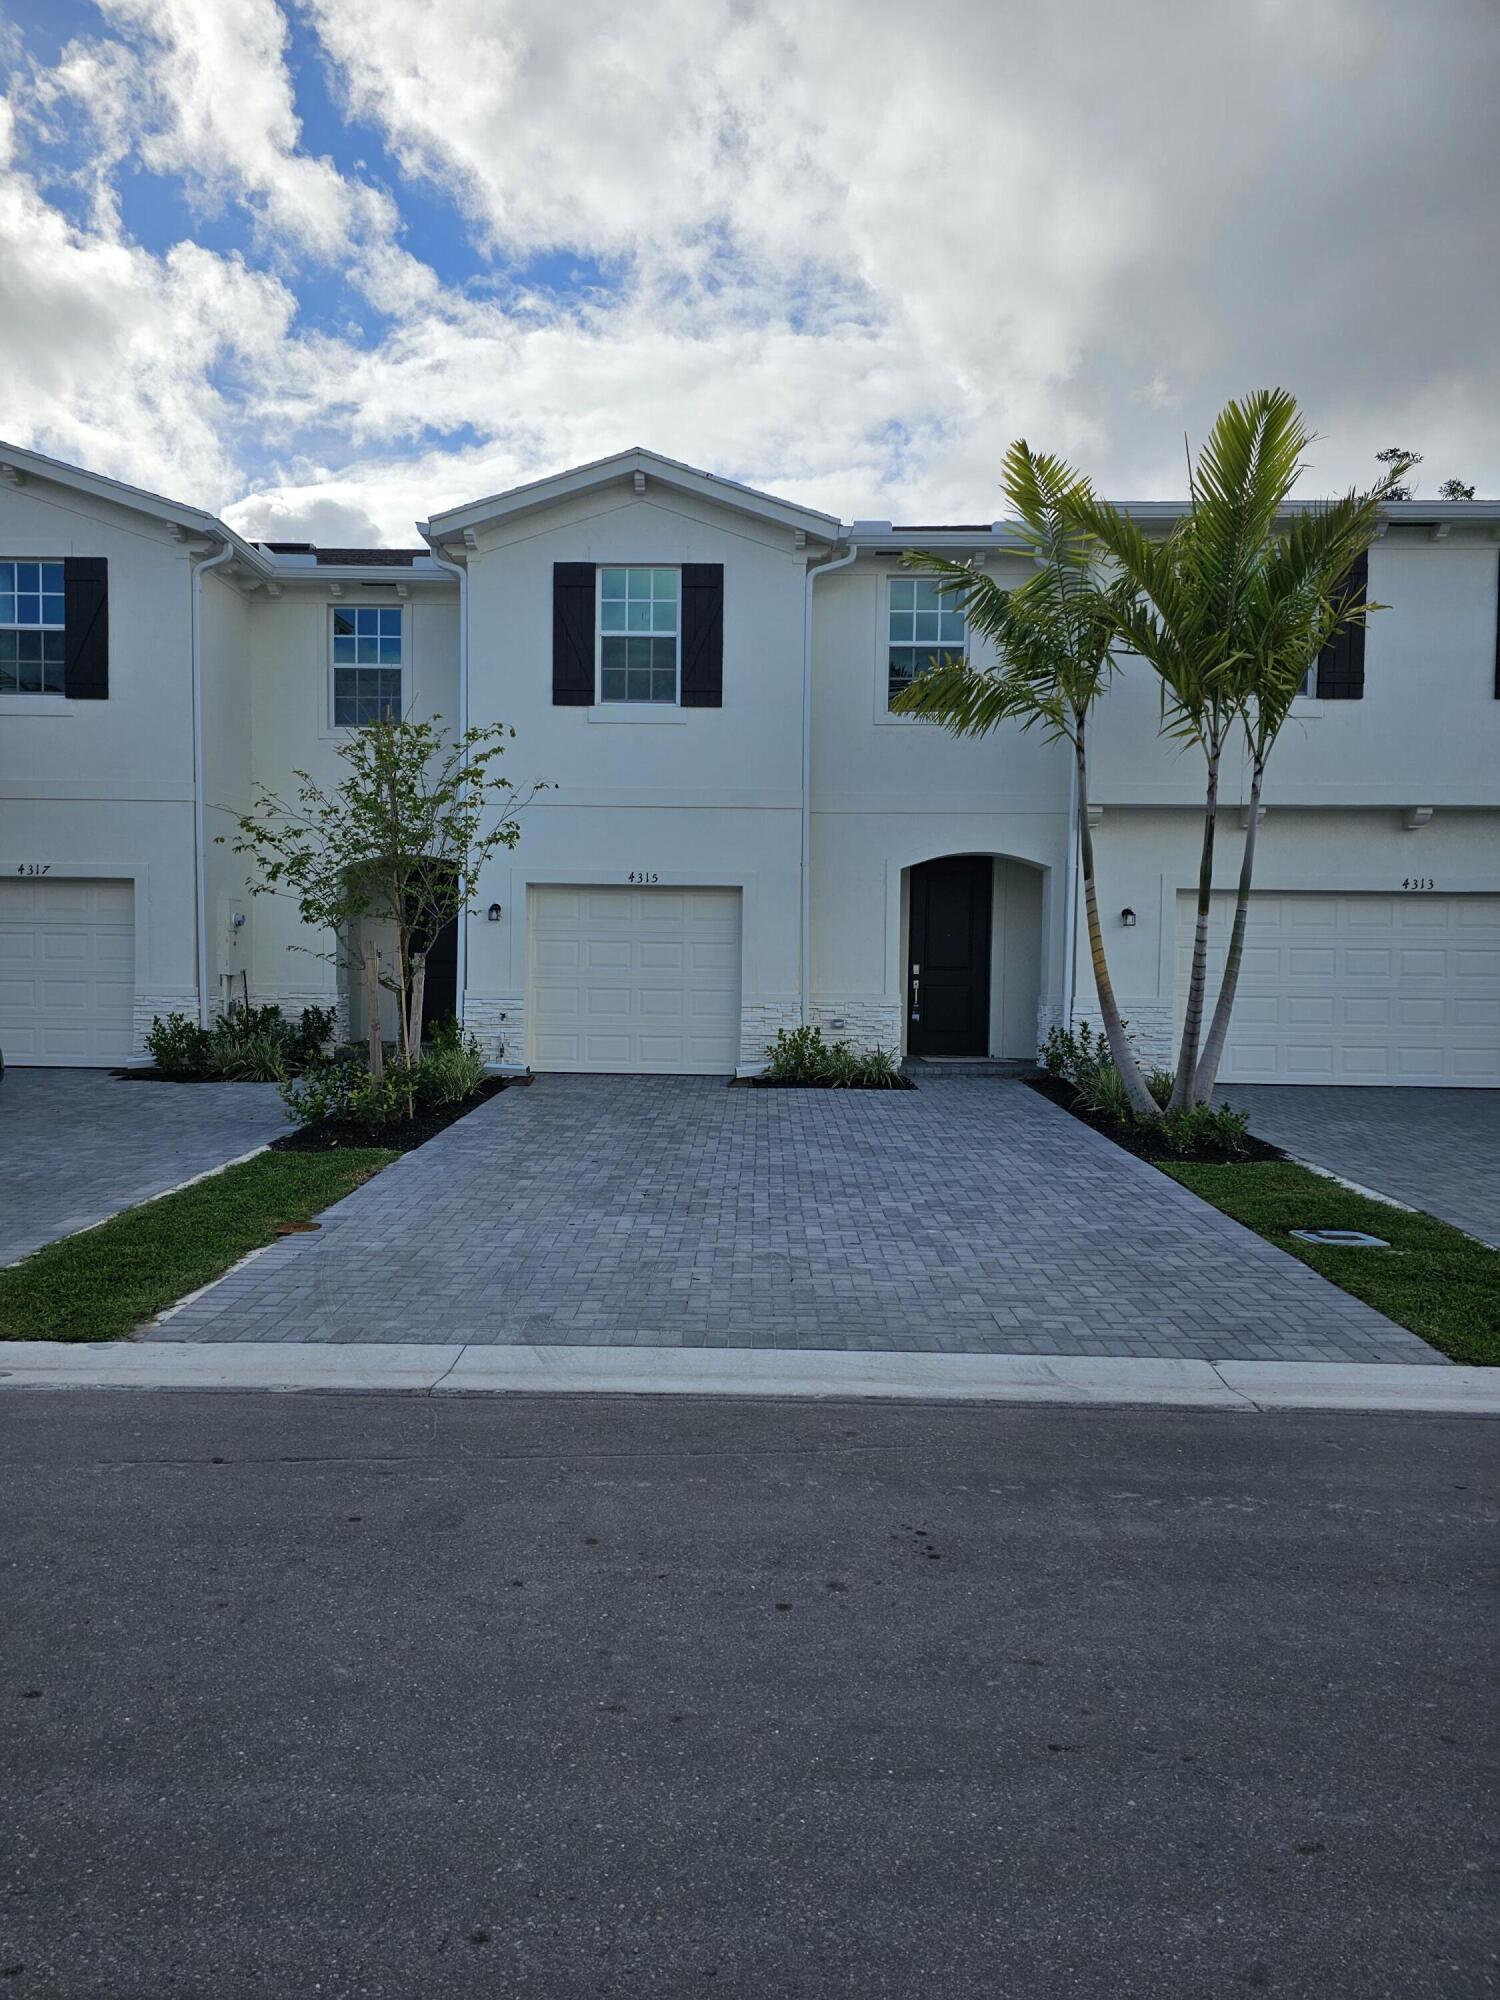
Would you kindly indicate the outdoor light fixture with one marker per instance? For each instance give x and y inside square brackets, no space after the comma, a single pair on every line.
[1127,918]
[494,913]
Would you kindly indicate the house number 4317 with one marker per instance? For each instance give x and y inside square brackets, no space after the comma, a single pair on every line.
[34,868]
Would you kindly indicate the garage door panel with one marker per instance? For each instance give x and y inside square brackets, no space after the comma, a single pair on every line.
[1319,998]
[67,949]
[652,983]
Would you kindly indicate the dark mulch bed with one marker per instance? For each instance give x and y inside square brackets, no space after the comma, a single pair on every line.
[1143,1143]
[149,1073]
[337,1134]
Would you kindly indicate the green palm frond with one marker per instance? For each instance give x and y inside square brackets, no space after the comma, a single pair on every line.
[1050,634]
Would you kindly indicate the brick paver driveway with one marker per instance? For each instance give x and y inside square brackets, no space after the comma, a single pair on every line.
[77,1145]
[1433,1149]
[970,1216]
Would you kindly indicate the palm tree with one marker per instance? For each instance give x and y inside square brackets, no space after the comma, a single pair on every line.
[1052,639]
[1230,610]
[1298,603]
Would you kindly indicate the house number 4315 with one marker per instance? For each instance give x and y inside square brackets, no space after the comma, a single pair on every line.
[643,875]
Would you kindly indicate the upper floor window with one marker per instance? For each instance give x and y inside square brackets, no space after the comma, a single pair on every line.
[31,628]
[367,664]
[922,629]
[640,628]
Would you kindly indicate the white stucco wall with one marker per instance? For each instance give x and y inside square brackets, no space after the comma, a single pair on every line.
[288,675]
[708,797]
[889,792]
[1146,857]
[105,788]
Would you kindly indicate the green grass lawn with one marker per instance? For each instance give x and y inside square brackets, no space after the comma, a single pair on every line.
[1433,1279]
[103,1282]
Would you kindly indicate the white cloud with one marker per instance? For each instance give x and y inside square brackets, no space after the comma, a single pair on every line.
[852,253]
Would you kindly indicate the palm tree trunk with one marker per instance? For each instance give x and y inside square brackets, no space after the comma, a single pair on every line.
[1218,1028]
[1142,1103]
[1192,1024]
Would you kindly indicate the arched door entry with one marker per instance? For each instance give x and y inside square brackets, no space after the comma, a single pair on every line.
[948,960]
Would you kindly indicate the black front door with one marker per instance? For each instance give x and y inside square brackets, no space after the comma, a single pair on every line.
[948,966]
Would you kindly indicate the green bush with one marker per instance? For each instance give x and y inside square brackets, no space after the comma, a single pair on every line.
[797,1055]
[1103,1092]
[249,1045]
[336,1088]
[325,1090]
[1204,1128]
[1076,1055]
[450,1071]
[180,1047]
[253,1058]
[800,1055]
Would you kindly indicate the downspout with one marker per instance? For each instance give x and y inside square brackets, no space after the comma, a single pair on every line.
[1070,904]
[805,984]
[460,570]
[200,838]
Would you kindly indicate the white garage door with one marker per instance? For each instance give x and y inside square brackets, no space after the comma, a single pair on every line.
[67,971]
[1359,988]
[635,979]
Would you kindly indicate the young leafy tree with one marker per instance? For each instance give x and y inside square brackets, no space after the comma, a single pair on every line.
[402,837]
[1230,609]
[1052,637]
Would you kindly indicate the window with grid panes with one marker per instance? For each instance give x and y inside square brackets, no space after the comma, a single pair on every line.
[921,628]
[31,628]
[367,664]
[639,633]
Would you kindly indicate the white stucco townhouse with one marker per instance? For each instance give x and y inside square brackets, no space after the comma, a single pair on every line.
[742,835]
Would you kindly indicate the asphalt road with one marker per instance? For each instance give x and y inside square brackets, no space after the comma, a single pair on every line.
[359,1696]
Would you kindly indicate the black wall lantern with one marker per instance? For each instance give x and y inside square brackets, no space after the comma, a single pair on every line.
[493,913]
[1127,918]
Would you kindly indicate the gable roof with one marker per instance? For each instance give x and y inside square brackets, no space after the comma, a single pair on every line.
[619,469]
[19,464]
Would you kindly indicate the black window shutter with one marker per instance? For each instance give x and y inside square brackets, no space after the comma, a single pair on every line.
[572,635]
[1341,664]
[86,640]
[1497,631]
[703,635]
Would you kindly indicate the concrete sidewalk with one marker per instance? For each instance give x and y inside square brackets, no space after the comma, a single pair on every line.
[457,1369]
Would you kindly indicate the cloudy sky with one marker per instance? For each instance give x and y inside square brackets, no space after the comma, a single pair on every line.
[329,265]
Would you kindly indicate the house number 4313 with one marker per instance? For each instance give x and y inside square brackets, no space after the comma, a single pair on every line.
[1418,882]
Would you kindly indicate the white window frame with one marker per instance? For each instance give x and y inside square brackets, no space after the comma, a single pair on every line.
[42,625]
[335,666]
[883,662]
[614,705]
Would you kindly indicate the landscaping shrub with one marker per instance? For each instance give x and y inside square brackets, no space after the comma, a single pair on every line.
[324,1091]
[1080,1059]
[450,1071]
[337,1089]
[1216,1129]
[249,1045]
[801,1056]
[260,1057]
[180,1047]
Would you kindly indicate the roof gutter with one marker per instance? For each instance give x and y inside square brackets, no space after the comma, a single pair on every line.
[200,842]
[805,981]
